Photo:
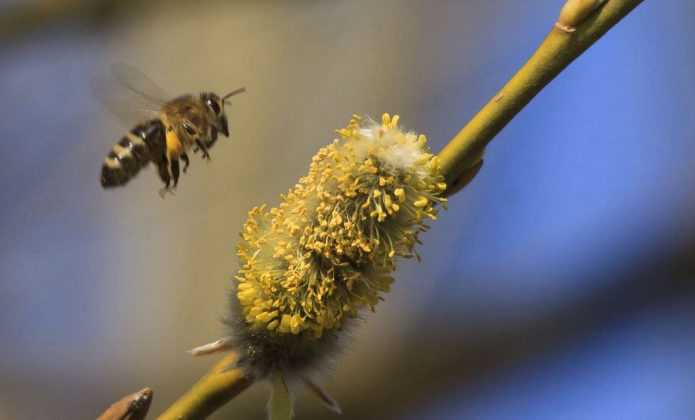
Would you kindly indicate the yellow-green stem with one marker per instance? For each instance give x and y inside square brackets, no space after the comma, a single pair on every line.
[211,392]
[464,152]
[280,406]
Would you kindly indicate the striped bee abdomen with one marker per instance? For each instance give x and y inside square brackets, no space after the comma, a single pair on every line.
[133,152]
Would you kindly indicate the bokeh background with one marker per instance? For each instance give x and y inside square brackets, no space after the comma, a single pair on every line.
[560,284]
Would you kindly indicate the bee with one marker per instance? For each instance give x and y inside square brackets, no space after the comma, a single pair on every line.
[188,122]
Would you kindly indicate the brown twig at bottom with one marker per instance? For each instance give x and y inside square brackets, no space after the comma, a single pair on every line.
[131,407]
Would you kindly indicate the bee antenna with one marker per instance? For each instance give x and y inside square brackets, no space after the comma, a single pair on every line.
[232,93]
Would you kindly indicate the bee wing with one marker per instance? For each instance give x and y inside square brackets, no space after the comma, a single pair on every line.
[129,94]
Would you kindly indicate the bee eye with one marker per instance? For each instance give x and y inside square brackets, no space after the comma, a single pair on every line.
[214,106]
[189,129]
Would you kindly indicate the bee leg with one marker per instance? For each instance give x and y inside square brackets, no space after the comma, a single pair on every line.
[175,170]
[202,147]
[163,170]
[186,161]
[212,142]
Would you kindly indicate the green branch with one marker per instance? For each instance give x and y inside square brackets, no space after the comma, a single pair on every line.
[280,406]
[581,23]
[212,391]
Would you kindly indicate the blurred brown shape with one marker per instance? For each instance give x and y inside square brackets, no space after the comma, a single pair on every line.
[131,407]
[21,19]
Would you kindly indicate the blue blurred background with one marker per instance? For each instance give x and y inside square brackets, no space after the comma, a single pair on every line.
[559,284]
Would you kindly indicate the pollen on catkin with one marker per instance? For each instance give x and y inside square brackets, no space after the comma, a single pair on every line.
[329,249]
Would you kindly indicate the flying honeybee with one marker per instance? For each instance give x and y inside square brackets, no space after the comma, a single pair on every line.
[172,128]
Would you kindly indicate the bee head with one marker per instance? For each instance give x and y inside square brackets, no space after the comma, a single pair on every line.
[215,106]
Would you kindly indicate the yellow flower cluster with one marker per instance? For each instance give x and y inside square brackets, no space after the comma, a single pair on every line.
[329,249]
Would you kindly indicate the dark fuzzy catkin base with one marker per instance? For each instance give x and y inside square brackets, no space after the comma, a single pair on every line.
[296,356]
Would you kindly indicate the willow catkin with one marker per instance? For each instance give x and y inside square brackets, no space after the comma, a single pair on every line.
[329,249]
